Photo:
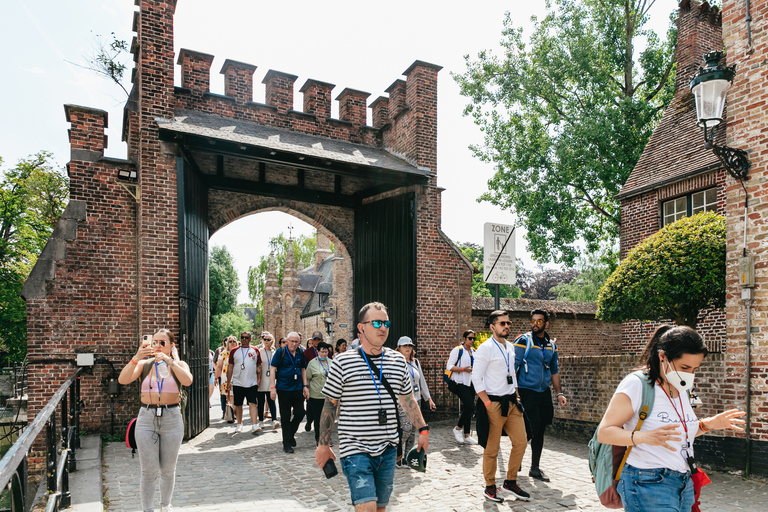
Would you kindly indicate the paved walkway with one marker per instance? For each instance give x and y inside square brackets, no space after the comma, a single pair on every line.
[223,471]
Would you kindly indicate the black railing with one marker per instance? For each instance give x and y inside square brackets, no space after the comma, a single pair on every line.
[13,466]
[447,403]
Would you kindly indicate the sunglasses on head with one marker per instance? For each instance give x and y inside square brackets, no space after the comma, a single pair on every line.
[378,323]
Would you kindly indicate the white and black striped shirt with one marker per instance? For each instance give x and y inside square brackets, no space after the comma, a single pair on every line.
[350,382]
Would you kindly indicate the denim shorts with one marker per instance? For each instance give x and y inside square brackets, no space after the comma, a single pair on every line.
[370,478]
[656,490]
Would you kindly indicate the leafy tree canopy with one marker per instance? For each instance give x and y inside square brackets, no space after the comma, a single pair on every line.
[33,194]
[672,274]
[226,324]
[566,116]
[541,285]
[592,274]
[475,253]
[303,253]
[223,283]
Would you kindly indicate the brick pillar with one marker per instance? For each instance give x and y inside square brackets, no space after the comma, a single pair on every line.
[317,98]
[158,229]
[86,135]
[421,98]
[279,90]
[379,112]
[352,106]
[238,80]
[195,70]
[396,93]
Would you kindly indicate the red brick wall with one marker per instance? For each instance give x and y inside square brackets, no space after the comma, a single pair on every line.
[582,335]
[747,112]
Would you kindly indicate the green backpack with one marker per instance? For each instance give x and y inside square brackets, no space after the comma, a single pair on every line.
[606,460]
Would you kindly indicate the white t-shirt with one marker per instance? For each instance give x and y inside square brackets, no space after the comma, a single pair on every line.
[465,360]
[243,363]
[645,456]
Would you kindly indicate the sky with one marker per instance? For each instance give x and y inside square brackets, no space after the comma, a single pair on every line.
[360,45]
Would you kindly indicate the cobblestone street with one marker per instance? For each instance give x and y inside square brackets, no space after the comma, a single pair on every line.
[223,471]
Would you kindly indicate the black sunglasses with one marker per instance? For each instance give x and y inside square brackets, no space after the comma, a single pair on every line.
[245,337]
[378,323]
[159,342]
[471,338]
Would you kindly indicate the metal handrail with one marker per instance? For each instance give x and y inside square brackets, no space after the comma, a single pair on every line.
[17,453]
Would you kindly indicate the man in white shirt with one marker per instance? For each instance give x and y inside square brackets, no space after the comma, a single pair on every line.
[243,381]
[493,376]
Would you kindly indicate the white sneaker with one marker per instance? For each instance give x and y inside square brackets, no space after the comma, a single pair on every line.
[238,428]
[167,508]
[469,440]
[275,424]
[256,427]
[459,435]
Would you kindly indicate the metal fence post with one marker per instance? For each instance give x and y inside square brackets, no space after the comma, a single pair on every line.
[50,442]
[76,422]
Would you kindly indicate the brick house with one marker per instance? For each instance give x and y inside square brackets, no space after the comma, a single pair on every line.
[678,176]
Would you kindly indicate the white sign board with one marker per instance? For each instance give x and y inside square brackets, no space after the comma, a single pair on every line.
[499,254]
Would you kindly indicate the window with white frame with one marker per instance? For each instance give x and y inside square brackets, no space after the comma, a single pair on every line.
[691,204]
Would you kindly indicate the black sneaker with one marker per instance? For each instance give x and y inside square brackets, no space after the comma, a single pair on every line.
[307,427]
[538,474]
[287,448]
[515,490]
[491,494]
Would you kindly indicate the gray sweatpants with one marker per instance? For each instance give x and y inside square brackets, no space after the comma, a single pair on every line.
[158,440]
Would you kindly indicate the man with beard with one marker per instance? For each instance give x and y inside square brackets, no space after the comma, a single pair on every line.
[536,368]
[493,376]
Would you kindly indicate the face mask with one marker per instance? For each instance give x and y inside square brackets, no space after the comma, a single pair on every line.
[322,358]
[682,381]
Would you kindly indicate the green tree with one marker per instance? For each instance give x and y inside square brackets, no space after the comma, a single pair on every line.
[303,253]
[475,253]
[672,274]
[566,116]
[593,271]
[33,194]
[226,324]
[223,284]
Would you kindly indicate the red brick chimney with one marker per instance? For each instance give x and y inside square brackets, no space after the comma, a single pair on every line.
[699,30]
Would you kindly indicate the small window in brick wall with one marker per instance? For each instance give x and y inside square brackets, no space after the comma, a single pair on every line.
[691,204]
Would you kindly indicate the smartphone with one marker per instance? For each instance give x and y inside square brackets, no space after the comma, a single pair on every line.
[146,340]
[330,469]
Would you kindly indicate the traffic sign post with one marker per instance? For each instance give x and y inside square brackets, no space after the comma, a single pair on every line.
[499,255]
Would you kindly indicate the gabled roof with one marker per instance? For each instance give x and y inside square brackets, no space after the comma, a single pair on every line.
[675,151]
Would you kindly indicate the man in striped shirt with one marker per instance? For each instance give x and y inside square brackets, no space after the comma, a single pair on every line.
[368,434]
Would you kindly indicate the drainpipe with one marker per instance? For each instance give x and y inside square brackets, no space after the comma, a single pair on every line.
[747,281]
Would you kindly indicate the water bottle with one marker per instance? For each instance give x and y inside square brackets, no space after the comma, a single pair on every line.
[163,370]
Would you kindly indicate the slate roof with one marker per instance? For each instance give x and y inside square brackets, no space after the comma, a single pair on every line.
[307,282]
[528,305]
[675,151]
[324,283]
[253,134]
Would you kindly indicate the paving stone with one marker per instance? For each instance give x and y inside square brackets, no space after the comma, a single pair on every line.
[222,471]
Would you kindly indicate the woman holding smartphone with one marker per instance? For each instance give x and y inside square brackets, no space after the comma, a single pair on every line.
[159,427]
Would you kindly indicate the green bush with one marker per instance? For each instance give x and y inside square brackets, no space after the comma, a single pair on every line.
[672,274]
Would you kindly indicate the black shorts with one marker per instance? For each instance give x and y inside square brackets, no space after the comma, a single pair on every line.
[538,407]
[251,394]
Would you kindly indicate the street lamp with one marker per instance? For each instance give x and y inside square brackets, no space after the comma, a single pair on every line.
[327,316]
[709,87]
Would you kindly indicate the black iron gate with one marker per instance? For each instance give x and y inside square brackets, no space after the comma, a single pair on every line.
[193,292]
[385,261]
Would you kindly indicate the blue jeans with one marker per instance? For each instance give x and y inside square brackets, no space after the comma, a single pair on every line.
[656,490]
[370,478]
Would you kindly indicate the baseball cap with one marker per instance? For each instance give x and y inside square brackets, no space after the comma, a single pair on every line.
[417,459]
[404,340]
[317,335]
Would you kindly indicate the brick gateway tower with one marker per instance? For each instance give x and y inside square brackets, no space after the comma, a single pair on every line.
[129,256]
